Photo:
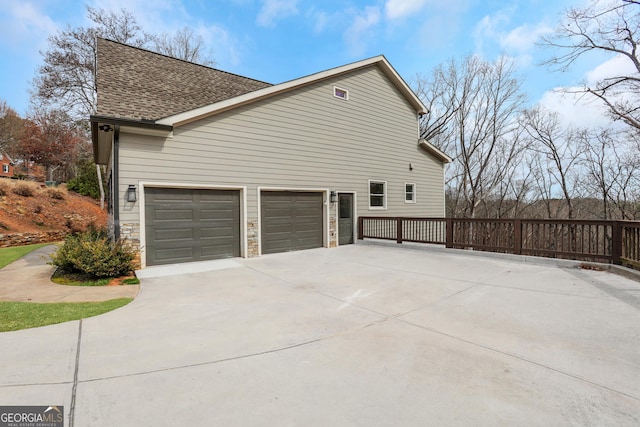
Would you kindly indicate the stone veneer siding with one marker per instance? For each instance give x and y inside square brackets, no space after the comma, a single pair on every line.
[253,239]
[333,223]
[130,233]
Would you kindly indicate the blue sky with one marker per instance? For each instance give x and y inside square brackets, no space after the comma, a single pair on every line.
[279,40]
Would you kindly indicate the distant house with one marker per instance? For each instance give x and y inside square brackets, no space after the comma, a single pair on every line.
[27,169]
[205,164]
[6,166]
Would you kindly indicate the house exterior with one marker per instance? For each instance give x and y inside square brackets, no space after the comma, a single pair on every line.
[6,166]
[204,164]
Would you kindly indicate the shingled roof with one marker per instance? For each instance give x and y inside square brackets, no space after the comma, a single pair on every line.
[138,84]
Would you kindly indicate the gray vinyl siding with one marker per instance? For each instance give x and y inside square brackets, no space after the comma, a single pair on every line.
[305,138]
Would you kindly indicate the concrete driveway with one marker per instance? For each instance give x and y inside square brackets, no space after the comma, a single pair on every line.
[360,335]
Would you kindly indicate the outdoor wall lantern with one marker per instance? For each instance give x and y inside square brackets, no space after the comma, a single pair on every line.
[131,193]
[334,197]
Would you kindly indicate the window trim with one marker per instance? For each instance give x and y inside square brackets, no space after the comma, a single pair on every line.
[346,93]
[5,168]
[413,184]
[384,194]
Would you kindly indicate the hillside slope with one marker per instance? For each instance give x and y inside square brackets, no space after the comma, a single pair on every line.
[28,207]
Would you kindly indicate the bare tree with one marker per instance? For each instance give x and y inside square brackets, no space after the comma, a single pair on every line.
[515,193]
[184,44]
[610,27]
[439,93]
[611,172]
[67,79]
[474,107]
[558,150]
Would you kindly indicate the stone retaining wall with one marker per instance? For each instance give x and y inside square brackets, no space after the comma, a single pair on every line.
[21,239]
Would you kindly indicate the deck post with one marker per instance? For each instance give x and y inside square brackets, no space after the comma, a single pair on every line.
[517,236]
[360,228]
[449,233]
[399,230]
[616,242]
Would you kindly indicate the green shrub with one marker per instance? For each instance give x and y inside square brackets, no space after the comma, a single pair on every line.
[86,181]
[95,254]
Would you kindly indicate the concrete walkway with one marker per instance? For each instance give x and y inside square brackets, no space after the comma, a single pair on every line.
[29,279]
[353,336]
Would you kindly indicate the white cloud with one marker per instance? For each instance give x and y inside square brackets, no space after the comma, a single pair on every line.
[619,65]
[23,25]
[583,109]
[165,16]
[362,23]
[395,9]
[225,47]
[275,9]
[321,19]
[580,110]
[524,37]
[493,32]
[489,28]
[168,16]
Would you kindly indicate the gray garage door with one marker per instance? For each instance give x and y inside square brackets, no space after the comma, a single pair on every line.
[290,221]
[184,225]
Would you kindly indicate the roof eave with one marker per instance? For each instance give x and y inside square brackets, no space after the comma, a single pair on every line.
[102,135]
[434,151]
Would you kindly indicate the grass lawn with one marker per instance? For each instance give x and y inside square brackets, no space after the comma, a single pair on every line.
[23,315]
[76,279]
[8,255]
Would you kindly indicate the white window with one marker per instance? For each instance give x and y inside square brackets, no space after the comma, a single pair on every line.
[377,194]
[340,93]
[5,168]
[409,192]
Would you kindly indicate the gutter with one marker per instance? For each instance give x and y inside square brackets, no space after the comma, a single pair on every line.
[147,124]
[116,183]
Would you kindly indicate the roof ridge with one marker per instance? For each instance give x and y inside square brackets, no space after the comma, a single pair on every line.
[182,60]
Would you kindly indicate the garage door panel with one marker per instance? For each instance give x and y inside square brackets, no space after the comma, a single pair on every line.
[291,221]
[216,214]
[273,229]
[173,234]
[173,215]
[216,250]
[217,232]
[167,195]
[171,255]
[218,196]
[185,225]
[278,245]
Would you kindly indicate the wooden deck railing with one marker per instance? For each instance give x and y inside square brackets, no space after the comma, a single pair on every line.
[616,242]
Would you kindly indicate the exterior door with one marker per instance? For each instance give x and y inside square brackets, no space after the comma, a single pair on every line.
[345,219]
